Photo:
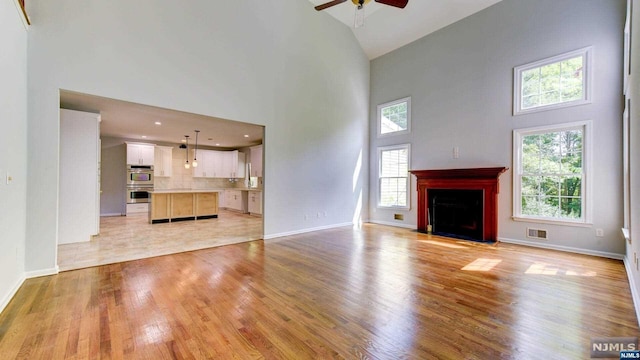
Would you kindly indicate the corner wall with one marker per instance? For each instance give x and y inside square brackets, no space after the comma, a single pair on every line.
[280,64]
[13,149]
[460,82]
[633,248]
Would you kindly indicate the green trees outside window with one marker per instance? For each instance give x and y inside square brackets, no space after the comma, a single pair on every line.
[552,174]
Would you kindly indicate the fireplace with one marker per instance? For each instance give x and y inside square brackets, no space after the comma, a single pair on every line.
[460,203]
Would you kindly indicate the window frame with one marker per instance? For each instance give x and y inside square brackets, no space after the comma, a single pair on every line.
[408,178]
[587,174]
[392,103]
[586,53]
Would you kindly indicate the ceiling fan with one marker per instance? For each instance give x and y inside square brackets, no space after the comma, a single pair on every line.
[359,18]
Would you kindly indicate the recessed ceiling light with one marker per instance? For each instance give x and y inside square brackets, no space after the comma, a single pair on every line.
[184,140]
[144,136]
[158,123]
[217,144]
[246,135]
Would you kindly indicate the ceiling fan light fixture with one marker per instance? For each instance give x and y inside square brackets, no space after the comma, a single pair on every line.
[358,19]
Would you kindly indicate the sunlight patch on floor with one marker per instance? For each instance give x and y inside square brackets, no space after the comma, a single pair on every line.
[541,268]
[482,264]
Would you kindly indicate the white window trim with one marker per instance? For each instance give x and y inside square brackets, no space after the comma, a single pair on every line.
[394,147]
[587,183]
[586,52]
[391,103]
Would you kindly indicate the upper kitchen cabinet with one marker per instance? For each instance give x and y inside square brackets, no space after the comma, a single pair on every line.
[256,161]
[233,163]
[220,164]
[140,154]
[208,164]
[163,161]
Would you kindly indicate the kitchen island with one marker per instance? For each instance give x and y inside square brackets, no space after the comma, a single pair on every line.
[182,204]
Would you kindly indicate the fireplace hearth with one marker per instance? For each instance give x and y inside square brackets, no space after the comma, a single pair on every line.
[460,203]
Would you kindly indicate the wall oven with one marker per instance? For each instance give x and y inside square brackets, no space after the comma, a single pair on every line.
[139,183]
[140,175]
[136,195]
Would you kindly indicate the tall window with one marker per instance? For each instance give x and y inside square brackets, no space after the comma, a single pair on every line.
[394,117]
[560,81]
[393,178]
[551,173]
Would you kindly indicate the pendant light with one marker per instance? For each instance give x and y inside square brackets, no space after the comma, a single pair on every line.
[195,151]
[186,164]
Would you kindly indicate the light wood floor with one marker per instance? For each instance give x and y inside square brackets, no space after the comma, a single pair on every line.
[124,238]
[372,293]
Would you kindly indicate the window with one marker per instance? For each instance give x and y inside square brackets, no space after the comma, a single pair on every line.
[393,176]
[394,117]
[560,81]
[551,178]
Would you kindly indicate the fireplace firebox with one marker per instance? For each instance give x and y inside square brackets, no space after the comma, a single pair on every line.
[457,213]
[445,187]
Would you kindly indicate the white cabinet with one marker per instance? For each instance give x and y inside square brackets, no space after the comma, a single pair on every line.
[207,163]
[256,161]
[219,164]
[137,209]
[140,154]
[233,163]
[163,161]
[255,202]
[236,200]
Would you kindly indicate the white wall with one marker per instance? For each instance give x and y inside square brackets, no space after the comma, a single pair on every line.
[275,63]
[633,249]
[79,217]
[460,81]
[13,148]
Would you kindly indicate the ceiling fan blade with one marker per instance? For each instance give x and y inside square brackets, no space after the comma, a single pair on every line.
[329,4]
[395,3]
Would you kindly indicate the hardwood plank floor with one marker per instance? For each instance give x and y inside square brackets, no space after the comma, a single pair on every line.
[372,293]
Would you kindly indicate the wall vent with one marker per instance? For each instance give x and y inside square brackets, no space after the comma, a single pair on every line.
[398,217]
[536,233]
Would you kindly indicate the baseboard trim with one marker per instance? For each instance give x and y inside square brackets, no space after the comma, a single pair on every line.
[389,223]
[563,248]
[303,231]
[43,272]
[112,214]
[635,295]
[7,298]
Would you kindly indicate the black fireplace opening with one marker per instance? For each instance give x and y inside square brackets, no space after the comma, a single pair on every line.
[456,213]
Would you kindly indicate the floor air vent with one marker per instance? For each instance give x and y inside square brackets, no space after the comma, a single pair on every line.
[536,233]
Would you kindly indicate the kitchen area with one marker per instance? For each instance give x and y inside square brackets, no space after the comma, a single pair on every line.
[168,182]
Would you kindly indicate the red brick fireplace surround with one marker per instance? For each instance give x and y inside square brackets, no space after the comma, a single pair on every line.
[485,179]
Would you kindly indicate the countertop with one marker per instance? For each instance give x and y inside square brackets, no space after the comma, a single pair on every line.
[173,191]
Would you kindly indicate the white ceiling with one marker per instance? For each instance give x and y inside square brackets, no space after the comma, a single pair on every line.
[387,28]
[133,121]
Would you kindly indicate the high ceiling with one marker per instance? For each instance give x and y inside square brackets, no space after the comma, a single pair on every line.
[387,28]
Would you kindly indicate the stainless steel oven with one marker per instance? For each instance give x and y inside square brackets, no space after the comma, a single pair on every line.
[137,195]
[140,175]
